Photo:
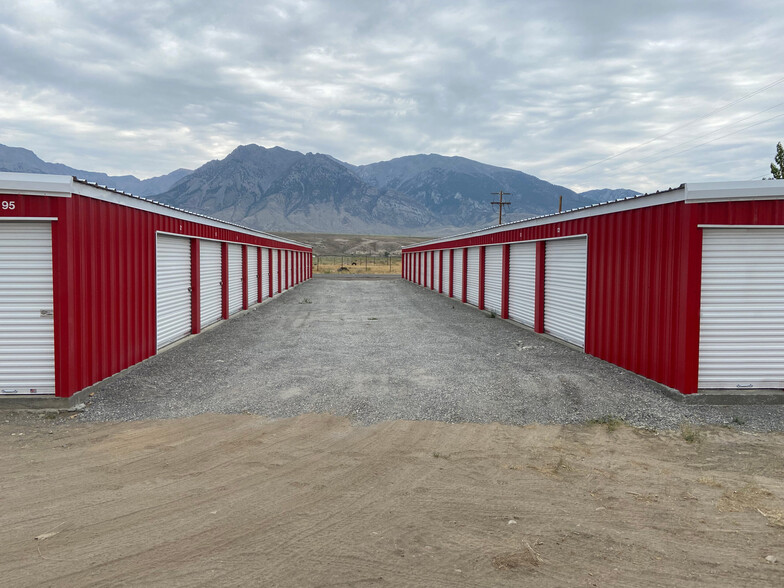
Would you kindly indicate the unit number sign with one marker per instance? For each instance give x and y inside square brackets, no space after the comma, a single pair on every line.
[8,205]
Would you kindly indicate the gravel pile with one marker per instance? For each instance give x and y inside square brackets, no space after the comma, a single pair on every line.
[379,350]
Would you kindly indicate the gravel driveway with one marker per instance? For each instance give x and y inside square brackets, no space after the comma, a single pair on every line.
[380,350]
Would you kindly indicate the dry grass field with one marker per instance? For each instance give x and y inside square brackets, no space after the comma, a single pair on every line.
[338,264]
[356,254]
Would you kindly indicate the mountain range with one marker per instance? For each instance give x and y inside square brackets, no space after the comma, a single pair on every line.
[277,189]
[18,159]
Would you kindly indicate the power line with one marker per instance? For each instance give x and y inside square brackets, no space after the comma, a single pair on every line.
[716,130]
[721,137]
[679,127]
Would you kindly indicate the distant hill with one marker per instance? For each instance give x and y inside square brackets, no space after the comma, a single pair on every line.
[17,159]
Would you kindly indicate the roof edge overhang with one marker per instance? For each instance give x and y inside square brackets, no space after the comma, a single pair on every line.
[735,191]
[36,184]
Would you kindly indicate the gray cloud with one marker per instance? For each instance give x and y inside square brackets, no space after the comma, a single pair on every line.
[545,87]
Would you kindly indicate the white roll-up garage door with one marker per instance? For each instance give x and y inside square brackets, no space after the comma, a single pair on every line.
[522,282]
[265,280]
[493,271]
[457,278]
[565,269]
[294,268]
[211,291]
[253,275]
[287,254]
[426,269]
[472,276]
[173,288]
[445,275]
[742,309]
[437,270]
[235,278]
[275,271]
[26,309]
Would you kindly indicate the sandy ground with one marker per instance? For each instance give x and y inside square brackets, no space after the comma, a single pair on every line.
[238,500]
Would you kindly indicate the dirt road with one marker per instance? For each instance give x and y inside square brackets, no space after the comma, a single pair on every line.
[230,500]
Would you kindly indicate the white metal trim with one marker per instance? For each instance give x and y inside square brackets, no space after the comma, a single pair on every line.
[734,191]
[740,226]
[42,219]
[26,184]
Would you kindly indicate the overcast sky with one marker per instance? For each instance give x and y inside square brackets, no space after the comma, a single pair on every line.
[694,88]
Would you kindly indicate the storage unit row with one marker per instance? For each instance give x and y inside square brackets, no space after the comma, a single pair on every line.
[93,281]
[685,287]
[201,281]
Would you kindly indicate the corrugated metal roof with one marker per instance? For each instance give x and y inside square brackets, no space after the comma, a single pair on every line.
[552,215]
[699,192]
[61,185]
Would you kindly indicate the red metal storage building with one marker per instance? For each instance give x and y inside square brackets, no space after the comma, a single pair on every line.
[93,280]
[684,286]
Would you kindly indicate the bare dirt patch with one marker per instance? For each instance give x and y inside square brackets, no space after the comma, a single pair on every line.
[317,501]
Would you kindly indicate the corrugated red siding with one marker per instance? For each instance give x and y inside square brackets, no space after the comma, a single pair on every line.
[103,257]
[644,280]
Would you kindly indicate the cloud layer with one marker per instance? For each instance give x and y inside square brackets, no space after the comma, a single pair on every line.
[552,88]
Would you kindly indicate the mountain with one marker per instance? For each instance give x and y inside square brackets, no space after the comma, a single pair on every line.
[281,190]
[459,190]
[17,159]
[277,189]
[608,194]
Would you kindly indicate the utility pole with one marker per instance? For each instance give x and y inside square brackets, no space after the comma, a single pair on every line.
[500,202]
